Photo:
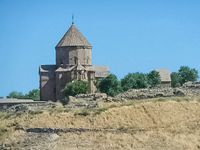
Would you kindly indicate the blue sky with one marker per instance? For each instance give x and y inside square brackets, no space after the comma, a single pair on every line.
[127,35]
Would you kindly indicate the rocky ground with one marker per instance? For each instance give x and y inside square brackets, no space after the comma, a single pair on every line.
[159,123]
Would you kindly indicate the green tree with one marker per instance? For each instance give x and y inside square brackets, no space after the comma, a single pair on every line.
[76,87]
[134,81]
[110,85]
[187,74]
[15,94]
[175,79]
[33,94]
[153,78]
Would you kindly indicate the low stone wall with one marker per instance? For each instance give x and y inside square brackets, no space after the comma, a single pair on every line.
[146,93]
[188,89]
[86,100]
[92,96]
[192,85]
[24,105]
[132,94]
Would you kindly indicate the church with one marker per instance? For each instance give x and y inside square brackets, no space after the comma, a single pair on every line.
[73,62]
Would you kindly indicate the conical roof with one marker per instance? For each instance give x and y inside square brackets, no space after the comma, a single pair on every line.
[73,38]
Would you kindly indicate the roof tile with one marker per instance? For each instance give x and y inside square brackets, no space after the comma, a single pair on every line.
[73,37]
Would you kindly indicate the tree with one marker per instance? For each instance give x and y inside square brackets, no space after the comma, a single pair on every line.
[153,78]
[134,81]
[76,87]
[16,94]
[110,85]
[187,74]
[175,79]
[33,94]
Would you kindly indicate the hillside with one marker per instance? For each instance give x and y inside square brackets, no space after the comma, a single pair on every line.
[162,123]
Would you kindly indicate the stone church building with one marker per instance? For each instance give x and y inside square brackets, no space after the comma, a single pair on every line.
[73,62]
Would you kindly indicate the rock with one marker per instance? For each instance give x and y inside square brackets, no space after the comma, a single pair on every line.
[53,137]
[188,84]
[71,98]
[191,84]
[109,99]
[179,92]
[19,108]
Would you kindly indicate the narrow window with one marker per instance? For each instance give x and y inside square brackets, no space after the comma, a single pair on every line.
[75,60]
[61,62]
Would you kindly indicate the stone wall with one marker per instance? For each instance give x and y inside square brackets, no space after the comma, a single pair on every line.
[192,85]
[15,105]
[47,82]
[67,55]
[146,93]
[91,100]
[92,96]
[86,100]
[189,89]
[62,78]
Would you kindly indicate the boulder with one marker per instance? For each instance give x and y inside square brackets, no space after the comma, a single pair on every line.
[179,92]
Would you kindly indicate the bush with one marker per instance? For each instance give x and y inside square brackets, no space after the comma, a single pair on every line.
[153,79]
[16,94]
[134,81]
[175,79]
[33,94]
[187,74]
[76,87]
[110,85]
[183,75]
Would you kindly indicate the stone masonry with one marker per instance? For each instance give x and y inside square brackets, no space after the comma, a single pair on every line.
[73,62]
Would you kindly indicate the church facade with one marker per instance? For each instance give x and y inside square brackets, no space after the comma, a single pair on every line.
[73,62]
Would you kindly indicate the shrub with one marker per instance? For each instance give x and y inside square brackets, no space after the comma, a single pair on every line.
[175,79]
[110,85]
[184,75]
[76,87]
[33,94]
[187,74]
[134,81]
[16,94]
[153,78]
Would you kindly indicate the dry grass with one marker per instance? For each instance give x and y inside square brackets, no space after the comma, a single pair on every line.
[162,123]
